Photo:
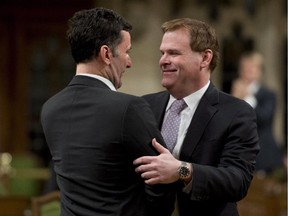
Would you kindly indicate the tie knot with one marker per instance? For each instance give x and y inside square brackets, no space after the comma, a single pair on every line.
[178,105]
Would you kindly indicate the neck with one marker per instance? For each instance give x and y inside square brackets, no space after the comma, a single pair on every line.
[90,68]
[180,93]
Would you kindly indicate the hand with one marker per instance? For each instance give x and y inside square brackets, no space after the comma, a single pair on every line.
[161,169]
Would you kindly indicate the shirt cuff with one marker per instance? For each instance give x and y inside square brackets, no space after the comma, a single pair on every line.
[188,187]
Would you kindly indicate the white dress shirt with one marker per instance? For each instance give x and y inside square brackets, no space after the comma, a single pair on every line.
[251,99]
[187,114]
[192,102]
[102,79]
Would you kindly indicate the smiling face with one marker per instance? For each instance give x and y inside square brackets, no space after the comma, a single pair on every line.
[181,67]
[121,60]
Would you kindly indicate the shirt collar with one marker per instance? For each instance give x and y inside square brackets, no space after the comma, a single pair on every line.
[255,87]
[191,100]
[102,79]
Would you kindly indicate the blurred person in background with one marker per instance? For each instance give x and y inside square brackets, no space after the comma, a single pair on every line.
[249,87]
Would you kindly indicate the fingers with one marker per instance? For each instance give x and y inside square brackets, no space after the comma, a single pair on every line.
[149,159]
[144,168]
[161,149]
[149,174]
[151,177]
[153,181]
[143,160]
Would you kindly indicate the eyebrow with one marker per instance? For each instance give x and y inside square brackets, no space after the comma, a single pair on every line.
[171,50]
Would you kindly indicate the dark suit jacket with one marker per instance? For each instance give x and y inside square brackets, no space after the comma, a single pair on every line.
[94,134]
[270,156]
[222,144]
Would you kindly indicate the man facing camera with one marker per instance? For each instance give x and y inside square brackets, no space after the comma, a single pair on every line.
[212,136]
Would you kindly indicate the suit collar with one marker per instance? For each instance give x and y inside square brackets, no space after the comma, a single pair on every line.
[87,81]
[101,78]
[204,112]
[210,97]
[161,108]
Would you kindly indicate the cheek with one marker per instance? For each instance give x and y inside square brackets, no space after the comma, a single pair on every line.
[122,61]
[188,66]
[118,64]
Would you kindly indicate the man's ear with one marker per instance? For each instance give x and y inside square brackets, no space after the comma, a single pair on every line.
[105,54]
[207,56]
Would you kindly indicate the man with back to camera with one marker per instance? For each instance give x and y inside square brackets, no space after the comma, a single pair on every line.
[94,132]
[213,153]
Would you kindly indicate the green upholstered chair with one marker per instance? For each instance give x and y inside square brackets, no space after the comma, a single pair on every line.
[23,181]
[46,205]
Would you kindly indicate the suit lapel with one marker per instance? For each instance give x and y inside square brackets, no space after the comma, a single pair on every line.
[160,112]
[158,104]
[204,112]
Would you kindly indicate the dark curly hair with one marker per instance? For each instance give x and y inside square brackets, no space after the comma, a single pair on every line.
[88,30]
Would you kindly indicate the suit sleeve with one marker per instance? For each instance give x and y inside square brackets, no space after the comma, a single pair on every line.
[266,104]
[231,178]
[139,128]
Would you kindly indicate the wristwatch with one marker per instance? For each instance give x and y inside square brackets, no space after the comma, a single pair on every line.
[184,171]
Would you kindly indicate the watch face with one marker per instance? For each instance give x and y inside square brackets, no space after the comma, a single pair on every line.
[184,171]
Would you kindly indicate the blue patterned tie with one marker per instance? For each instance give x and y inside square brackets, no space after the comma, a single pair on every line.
[170,127]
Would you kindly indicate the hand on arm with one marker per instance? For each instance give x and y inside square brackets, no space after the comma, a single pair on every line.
[161,169]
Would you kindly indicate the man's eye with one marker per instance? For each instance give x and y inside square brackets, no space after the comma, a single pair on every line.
[174,53]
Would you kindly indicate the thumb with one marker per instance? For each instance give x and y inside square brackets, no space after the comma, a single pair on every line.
[161,149]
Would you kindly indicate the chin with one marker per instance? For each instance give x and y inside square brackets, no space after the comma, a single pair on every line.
[166,85]
[167,80]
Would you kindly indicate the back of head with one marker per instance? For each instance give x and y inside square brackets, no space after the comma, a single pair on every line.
[202,36]
[90,29]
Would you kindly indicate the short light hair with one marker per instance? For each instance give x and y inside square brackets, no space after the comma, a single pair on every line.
[202,36]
